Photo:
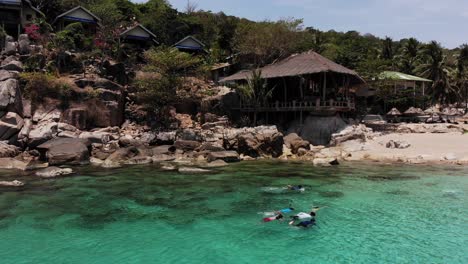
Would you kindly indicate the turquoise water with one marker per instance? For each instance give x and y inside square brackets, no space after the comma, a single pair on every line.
[374,214]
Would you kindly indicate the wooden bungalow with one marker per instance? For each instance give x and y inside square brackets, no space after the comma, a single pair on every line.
[306,82]
[191,44]
[78,14]
[15,15]
[139,35]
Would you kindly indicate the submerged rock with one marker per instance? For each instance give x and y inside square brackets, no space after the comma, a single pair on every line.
[192,170]
[226,156]
[14,183]
[326,162]
[16,164]
[53,172]
[217,164]
[331,194]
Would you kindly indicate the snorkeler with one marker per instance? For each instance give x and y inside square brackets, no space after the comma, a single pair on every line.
[306,216]
[278,217]
[306,224]
[295,188]
[286,210]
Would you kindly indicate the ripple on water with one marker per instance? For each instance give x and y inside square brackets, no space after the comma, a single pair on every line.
[144,215]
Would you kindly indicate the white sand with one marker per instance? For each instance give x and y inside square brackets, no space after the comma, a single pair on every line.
[425,148]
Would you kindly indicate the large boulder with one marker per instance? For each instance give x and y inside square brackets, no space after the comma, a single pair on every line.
[359,132]
[61,151]
[53,172]
[10,96]
[8,151]
[187,145]
[5,75]
[17,164]
[166,149]
[166,138]
[47,113]
[78,117]
[318,130]
[24,133]
[99,136]
[13,66]
[24,44]
[265,142]
[227,156]
[295,142]
[41,133]
[11,47]
[10,125]
[119,157]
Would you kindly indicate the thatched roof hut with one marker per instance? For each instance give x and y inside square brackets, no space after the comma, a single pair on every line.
[452,112]
[433,110]
[299,64]
[394,112]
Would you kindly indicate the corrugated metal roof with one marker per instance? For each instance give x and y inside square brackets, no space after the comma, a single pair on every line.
[399,76]
[298,64]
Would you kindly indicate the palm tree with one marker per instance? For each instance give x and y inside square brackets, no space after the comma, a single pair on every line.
[256,92]
[462,71]
[434,67]
[387,50]
[409,56]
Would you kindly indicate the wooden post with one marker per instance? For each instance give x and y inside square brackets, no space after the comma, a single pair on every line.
[285,90]
[324,89]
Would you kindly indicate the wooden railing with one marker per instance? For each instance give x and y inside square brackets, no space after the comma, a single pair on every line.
[293,106]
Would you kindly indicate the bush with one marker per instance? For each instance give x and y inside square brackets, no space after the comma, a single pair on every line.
[156,93]
[38,86]
[71,37]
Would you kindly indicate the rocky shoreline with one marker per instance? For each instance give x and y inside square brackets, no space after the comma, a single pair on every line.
[92,126]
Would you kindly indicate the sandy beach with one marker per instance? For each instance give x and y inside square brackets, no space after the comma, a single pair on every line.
[424,148]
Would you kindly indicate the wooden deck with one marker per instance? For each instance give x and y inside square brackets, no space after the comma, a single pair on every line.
[304,106]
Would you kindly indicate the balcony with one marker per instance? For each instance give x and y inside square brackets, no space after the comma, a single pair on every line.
[318,105]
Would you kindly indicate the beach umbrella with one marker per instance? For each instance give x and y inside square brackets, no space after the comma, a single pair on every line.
[432,110]
[414,111]
[394,112]
[452,112]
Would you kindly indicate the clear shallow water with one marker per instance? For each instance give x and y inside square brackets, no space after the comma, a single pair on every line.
[375,214]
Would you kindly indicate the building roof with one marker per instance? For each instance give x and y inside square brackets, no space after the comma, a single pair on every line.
[295,65]
[75,9]
[182,44]
[399,76]
[129,30]
[19,2]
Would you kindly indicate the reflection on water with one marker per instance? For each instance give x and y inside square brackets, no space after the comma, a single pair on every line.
[373,214]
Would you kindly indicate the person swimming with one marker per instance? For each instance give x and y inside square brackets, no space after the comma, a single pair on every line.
[286,210]
[305,217]
[278,217]
[306,224]
[299,188]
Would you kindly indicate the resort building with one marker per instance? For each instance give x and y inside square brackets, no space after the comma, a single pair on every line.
[139,35]
[400,81]
[78,14]
[304,83]
[15,15]
[191,44]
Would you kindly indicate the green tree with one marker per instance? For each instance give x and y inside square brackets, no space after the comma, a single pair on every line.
[462,73]
[434,67]
[165,69]
[256,92]
[409,57]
